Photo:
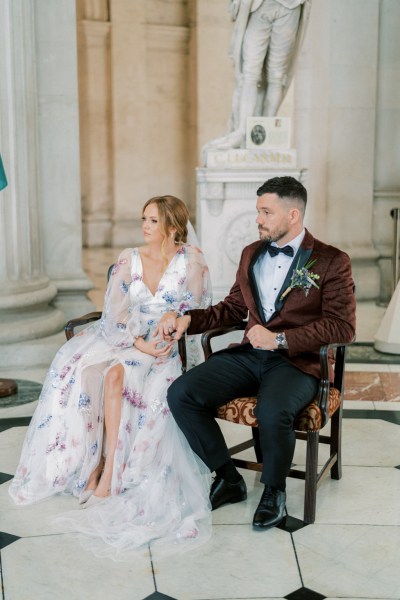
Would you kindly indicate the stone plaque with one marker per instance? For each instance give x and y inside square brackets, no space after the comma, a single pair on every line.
[262,158]
[268,132]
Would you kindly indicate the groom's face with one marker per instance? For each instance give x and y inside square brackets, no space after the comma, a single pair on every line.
[273,219]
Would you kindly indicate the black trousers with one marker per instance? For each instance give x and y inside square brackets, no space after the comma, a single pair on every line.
[282,392]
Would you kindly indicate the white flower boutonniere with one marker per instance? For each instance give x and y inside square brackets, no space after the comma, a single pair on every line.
[302,278]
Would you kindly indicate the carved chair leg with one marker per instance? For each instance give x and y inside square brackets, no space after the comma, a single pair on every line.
[336,443]
[310,492]
[257,446]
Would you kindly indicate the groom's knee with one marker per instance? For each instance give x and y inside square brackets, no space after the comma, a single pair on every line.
[175,394]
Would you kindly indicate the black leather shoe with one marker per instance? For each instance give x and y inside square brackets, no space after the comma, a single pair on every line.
[270,511]
[223,492]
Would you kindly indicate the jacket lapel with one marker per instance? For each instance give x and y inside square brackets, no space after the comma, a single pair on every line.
[252,280]
[299,261]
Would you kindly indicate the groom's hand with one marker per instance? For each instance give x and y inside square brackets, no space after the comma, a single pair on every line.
[182,324]
[261,337]
[166,326]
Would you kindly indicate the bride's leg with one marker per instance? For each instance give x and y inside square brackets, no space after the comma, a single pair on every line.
[95,476]
[112,415]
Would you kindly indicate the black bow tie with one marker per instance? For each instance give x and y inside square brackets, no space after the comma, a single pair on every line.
[274,250]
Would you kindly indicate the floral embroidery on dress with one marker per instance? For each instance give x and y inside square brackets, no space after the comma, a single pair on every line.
[84,402]
[45,421]
[133,397]
[124,287]
[117,266]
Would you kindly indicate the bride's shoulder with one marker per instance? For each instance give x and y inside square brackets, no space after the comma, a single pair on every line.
[191,249]
[193,253]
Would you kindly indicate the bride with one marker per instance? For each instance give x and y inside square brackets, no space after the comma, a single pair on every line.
[102,430]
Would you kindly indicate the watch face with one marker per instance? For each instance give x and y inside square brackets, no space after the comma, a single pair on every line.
[280,339]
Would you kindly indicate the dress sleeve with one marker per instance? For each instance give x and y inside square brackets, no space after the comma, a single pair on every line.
[120,321]
[198,295]
[198,292]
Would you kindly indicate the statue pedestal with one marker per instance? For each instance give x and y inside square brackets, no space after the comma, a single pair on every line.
[226,208]
[387,338]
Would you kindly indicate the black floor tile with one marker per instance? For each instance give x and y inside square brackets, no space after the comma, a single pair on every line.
[305,594]
[6,539]
[291,524]
[14,422]
[5,477]
[390,416]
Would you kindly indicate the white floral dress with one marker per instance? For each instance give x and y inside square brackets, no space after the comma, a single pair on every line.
[160,487]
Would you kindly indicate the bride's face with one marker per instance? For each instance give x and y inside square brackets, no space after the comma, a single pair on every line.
[151,225]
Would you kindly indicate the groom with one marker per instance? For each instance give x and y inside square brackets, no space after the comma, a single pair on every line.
[290,315]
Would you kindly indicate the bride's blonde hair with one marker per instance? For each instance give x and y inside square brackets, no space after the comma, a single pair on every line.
[173,214]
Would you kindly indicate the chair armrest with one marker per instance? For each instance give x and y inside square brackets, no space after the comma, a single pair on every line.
[70,326]
[339,351]
[208,335]
[182,352]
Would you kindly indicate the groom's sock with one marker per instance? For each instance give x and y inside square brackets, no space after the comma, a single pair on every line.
[228,472]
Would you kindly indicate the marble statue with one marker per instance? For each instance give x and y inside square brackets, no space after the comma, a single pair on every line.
[266,39]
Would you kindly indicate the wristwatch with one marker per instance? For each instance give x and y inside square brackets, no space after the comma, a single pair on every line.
[280,340]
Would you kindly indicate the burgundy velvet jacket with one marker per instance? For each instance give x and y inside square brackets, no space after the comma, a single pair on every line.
[325,315]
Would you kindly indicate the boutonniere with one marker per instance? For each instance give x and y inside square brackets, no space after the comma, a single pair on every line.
[302,278]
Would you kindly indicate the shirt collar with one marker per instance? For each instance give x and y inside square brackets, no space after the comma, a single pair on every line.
[295,243]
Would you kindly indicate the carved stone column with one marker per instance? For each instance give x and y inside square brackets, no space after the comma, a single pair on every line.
[335,126]
[25,291]
[95,123]
[42,282]
[149,110]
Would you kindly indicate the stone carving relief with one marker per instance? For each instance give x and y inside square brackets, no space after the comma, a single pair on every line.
[240,231]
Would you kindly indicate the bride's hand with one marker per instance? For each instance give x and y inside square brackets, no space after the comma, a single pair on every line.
[166,326]
[152,349]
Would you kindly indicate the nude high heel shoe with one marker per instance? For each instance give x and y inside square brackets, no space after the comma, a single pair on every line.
[94,500]
[84,497]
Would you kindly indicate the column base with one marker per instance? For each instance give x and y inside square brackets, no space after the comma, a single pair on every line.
[387,338]
[29,355]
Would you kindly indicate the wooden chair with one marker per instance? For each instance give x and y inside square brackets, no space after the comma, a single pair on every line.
[328,405]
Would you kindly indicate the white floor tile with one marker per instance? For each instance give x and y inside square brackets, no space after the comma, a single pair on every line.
[237,563]
[394,368]
[370,442]
[368,367]
[11,442]
[359,405]
[387,405]
[363,496]
[350,561]
[34,519]
[49,567]
[23,410]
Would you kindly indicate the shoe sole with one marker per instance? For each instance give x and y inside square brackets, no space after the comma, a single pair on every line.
[244,497]
[259,526]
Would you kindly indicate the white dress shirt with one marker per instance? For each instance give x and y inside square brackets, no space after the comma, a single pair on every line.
[270,273]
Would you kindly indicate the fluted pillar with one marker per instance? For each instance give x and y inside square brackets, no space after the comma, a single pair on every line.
[26,292]
[335,127]
[95,128]
[42,283]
